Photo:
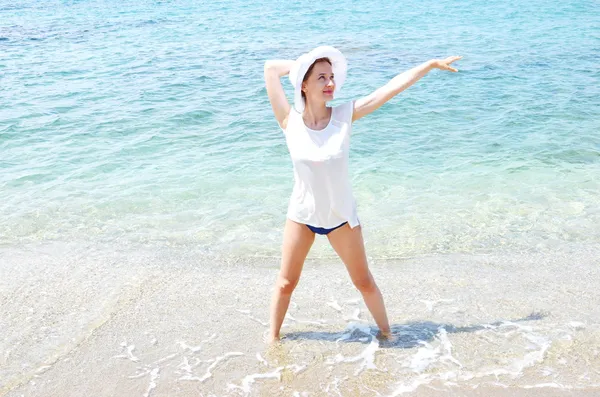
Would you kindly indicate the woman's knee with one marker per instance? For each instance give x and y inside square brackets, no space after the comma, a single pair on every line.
[286,285]
[365,284]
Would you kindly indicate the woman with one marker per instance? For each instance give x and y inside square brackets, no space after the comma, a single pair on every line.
[318,138]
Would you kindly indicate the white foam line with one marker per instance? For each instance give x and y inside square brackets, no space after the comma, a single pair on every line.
[185,365]
[452,310]
[424,357]
[351,328]
[153,378]
[334,305]
[342,338]
[251,317]
[208,373]
[516,325]
[449,376]
[335,384]
[318,322]
[264,324]
[129,354]
[167,358]
[188,368]
[296,369]
[530,358]
[576,325]
[375,392]
[367,356]
[516,368]
[250,379]
[355,316]
[43,368]
[412,386]
[443,336]
[140,375]
[555,385]
[289,316]
[261,359]
[195,349]
[428,354]
[430,304]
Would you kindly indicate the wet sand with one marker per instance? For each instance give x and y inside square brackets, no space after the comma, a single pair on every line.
[133,321]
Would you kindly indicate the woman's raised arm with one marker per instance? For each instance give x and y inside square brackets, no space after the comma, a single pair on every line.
[274,70]
[373,101]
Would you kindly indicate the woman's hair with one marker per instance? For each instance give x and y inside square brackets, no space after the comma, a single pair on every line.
[309,72]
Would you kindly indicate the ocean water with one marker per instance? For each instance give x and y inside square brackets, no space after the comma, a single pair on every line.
[149,122]
[144,184]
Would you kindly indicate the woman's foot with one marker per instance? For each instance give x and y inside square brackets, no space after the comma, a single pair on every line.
[271,339]
[385,335]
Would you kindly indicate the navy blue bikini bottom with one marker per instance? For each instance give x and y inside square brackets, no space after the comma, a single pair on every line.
[320,230]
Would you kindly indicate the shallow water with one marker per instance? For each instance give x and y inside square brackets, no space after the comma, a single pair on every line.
[158,129]
[174,322]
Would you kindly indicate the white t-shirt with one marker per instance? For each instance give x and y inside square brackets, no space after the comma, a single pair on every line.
[322,195]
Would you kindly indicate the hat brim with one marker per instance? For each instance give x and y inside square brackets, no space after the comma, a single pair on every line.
[339,66]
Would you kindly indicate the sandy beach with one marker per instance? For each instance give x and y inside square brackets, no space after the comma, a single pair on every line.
[117,321]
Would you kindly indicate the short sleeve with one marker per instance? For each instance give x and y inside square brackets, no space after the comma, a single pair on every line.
[350,111]
[345,112]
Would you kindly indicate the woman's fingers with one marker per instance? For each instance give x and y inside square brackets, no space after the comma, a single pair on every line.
[452,59]
[446,63]
[445,66]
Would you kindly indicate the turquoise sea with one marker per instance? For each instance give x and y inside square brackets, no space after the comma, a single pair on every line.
[142,174]
[149,122]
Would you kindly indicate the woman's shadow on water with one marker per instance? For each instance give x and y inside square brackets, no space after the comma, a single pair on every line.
[406,336]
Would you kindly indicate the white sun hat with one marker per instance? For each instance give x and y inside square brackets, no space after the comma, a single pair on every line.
[339,66]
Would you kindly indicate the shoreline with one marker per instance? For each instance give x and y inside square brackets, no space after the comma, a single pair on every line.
[185,323]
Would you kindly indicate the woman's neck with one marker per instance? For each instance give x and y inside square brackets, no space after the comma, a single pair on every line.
[316,117]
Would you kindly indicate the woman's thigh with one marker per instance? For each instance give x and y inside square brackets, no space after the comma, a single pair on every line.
[297,240]
[349,245]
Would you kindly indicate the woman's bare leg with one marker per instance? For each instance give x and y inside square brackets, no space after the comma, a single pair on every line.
[297,240]
[349,245]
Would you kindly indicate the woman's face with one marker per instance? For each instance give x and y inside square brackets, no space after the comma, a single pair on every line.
[320,85]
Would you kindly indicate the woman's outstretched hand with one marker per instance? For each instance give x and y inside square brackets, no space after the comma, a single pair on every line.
[444,64]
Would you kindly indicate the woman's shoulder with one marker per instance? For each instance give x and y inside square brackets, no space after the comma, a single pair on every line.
[344,110]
